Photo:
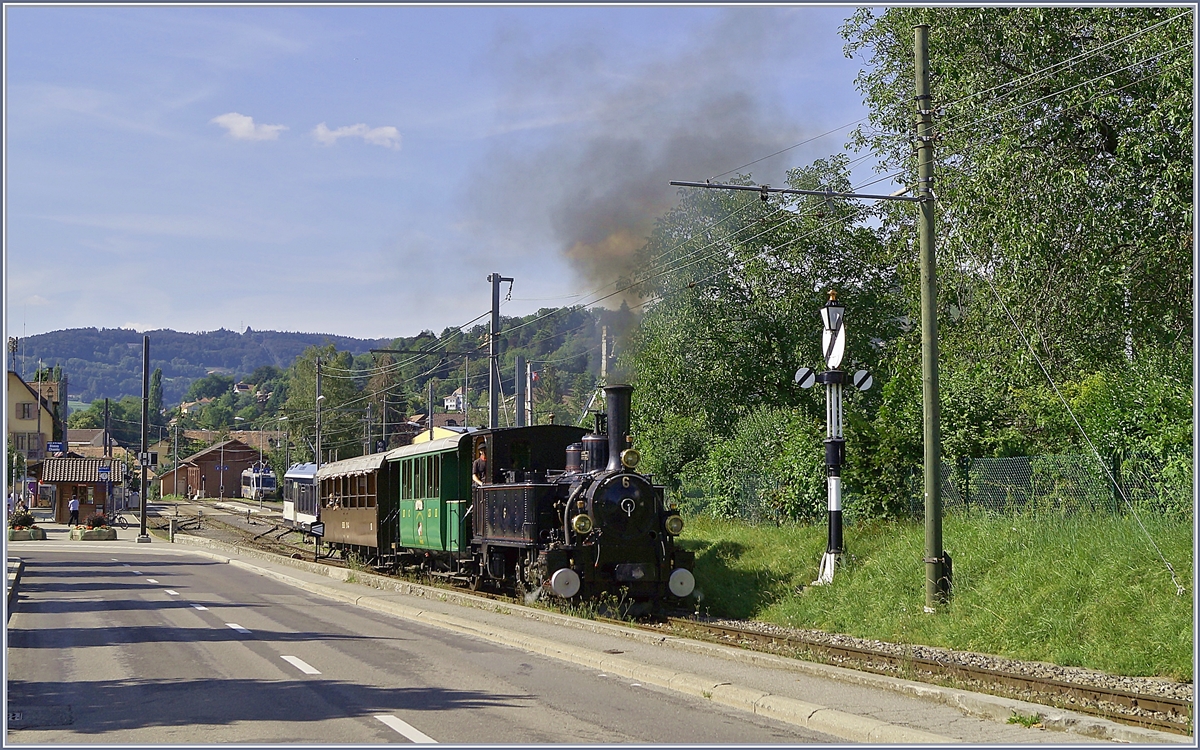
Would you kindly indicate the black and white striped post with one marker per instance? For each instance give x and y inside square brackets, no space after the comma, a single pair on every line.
[833,344]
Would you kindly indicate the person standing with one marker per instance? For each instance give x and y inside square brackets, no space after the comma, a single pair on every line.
[479,467]
[73,506]
[12,503]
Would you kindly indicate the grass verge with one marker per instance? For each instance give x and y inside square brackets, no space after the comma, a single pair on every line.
[1086,591]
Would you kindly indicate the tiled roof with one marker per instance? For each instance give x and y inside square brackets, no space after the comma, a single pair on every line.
[237,446]
[80,470]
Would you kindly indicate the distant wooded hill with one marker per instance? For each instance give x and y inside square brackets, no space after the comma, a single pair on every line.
[107,362]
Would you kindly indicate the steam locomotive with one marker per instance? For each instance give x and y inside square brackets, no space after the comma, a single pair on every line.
[557,511]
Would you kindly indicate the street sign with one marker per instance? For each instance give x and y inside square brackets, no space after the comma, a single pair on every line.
[862,380]
[55,447]
[103,471]
[806,377]
[317,529]
[149,458]
[833,343]
[220,467]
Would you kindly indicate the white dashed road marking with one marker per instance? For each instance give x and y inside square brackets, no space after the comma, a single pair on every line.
[151,580]
[300,664]
[137,572]
[237,627]
[172,593]
[406,729]
[199,606]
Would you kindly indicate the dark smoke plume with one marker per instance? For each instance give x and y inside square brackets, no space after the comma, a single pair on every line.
[616,138]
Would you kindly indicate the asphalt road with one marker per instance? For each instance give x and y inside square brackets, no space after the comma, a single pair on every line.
[124,644]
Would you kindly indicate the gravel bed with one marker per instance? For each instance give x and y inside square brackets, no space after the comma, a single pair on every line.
[1149,686]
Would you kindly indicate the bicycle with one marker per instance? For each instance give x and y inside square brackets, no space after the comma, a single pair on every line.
[117,519]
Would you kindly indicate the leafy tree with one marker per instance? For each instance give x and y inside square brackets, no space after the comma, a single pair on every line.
[1064,191]
[342,408]
[212,386]
[155,405]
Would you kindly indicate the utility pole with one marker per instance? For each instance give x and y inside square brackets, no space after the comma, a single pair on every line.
[937,562]
[466,386]
[64,409]
[529,393]
[430,411]
[603,354]
[367,447]
[175,489]
[107,439]
[937,582]
[519,372]
[320,398]
[144,457]
[493,352]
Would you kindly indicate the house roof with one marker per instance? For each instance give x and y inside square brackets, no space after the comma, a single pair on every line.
[228,445]
[81,470]
[88,435]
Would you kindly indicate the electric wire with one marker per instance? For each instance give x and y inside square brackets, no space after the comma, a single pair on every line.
[1028,78]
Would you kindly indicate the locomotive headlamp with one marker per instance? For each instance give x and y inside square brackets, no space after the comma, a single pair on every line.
[674,525]
[630,458]
[582,523]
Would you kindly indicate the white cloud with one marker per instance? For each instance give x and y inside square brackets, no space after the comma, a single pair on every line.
[243,128]
[386,136]
[37,300]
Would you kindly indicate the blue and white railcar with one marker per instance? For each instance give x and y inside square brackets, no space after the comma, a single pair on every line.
[300,496]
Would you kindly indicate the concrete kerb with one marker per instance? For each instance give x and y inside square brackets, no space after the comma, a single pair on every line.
[978,705]
[16,566]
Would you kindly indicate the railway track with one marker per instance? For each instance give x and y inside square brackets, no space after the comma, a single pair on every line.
[1162,713]
[1156,712]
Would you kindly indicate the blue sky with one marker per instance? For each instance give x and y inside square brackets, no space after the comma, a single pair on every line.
[361,170]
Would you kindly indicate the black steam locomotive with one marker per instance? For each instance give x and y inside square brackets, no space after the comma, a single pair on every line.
[555,511]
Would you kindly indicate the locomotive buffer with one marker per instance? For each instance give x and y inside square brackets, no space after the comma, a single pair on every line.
[833,345]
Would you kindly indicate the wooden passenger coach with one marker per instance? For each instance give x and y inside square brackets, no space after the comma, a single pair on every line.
[355,496]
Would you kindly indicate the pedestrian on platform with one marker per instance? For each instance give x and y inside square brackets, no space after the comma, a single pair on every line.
[73,506]
[12,502]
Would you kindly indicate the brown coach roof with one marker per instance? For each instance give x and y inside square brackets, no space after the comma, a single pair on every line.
[81,470]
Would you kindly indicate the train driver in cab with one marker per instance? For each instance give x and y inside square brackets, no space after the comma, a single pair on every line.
[479,467]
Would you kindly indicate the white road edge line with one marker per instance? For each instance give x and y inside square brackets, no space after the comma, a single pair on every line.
[199,606]
[406,729]
[300,664]
[172,593]
[237,627]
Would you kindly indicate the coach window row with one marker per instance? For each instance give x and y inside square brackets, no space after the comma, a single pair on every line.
[420,477]
[357,491]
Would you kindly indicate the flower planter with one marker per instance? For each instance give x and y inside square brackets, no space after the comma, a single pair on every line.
[93,535]
[26,535]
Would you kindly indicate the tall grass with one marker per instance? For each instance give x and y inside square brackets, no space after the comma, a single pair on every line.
[1087,591]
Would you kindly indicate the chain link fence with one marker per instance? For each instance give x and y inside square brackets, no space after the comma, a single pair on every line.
[1060,485]
[1066,484]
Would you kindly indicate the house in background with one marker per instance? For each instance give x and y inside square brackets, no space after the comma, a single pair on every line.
[31,418]
[215,471]
[454,402]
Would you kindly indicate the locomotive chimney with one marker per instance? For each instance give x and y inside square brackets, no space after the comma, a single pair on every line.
[619,398]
